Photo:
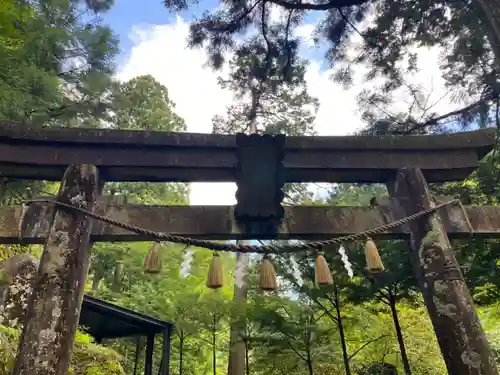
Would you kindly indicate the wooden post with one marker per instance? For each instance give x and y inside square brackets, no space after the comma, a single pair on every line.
[165,357]
[463,342]
[137,354]
[47,340]
[148,361]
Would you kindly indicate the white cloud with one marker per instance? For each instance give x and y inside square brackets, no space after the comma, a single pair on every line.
[161,51]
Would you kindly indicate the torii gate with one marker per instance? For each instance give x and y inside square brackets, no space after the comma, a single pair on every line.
[260,165]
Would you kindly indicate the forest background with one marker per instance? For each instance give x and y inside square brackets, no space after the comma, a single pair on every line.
[404,67]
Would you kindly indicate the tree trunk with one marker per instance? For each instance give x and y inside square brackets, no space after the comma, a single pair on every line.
[309,363]
[181,353]
[310,368]
[96,279]
[236,360]
[53,312]
[247,359]
[343,344]
[399,334]
[459,332]
[214,352]
[117,277]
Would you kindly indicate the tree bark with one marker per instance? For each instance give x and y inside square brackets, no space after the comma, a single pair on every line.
[460,335]
[399,333]
[54,308]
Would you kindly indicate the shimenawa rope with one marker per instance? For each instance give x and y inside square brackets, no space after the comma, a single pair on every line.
[261,249]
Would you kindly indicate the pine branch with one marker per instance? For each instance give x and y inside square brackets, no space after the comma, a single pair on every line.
[324,6]
[435,120]
[365,345]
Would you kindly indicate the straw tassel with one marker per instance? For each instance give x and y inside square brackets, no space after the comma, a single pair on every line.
[322,274]
[267,275]
[373,261]
[215,279]
[153,263]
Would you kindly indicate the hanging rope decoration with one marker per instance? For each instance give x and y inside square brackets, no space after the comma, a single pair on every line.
[373,262]
[153,262]
[323,276]
[268,280]
[215,278]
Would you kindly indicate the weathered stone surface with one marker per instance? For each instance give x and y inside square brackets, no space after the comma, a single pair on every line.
[16,285]
[217,222]
[462,340]
[54,306]
[43,153]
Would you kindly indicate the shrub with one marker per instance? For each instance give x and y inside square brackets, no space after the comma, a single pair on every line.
[88,357]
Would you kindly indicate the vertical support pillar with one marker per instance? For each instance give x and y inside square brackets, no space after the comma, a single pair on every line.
[54,308]
[460,335]
[260,180]
[165,360]
[137,354]
[148,362]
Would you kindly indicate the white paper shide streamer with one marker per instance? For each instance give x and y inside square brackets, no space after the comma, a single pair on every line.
[186,262]
[345,260]
[239,273]
[296,271]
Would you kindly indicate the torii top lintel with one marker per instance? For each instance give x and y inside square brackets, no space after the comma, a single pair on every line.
[127,155]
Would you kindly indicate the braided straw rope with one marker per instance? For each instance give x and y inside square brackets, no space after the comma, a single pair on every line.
[261,249]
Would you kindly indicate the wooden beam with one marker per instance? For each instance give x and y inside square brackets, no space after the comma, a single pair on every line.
[216,222]
[53,311]
[44,153]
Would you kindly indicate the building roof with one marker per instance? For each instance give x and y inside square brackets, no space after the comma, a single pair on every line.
[104,320]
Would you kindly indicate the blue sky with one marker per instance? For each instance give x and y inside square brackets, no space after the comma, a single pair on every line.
[126,14]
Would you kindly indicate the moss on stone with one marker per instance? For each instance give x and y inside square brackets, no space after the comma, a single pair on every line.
[88,357]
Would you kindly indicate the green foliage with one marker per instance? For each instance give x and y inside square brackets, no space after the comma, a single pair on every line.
[88,358]
[265,105]
[7,251]
[355,194]
[61,64]
[144,104]
[269,43]
[197,312]
[56,65]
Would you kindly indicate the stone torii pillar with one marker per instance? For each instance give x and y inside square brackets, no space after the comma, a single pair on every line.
[460,335]
[46,343]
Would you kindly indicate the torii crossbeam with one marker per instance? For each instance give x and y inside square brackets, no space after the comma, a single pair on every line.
[260,165]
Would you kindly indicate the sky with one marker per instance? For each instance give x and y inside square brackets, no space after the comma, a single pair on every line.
[153,41]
